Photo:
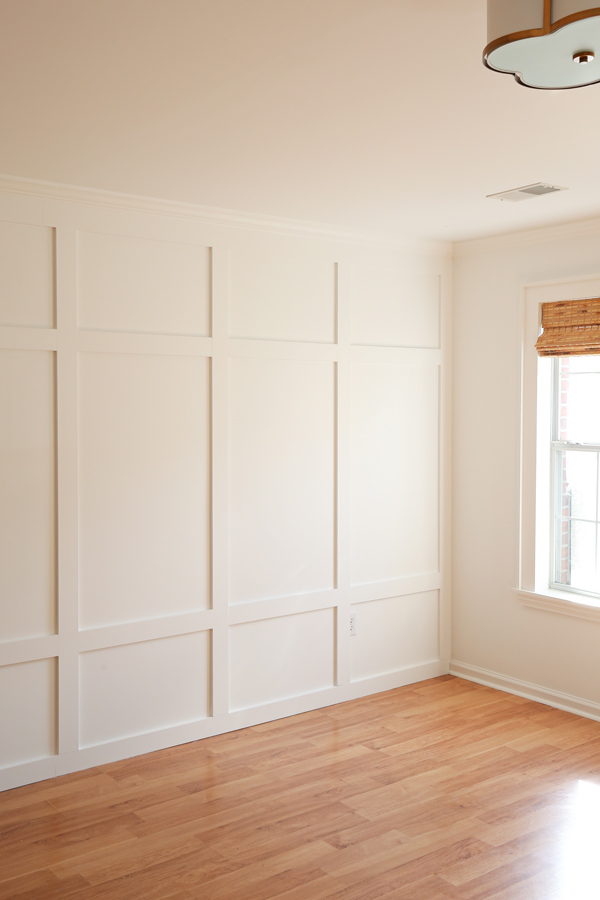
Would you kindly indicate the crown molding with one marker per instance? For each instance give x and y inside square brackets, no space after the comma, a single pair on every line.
[546,233]
[47,190]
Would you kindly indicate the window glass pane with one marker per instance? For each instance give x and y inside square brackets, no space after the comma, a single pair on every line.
[583,363]
[579,399]
[576,554]
[578,476]
[562,551]
[576,490]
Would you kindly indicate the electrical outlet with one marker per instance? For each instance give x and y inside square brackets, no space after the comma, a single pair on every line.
[353,625]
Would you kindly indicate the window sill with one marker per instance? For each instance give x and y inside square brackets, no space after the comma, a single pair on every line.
[561,603]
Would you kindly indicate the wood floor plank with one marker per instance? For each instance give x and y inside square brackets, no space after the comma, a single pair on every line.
[305,860]
[497,856]
[48,851]
[516,877]
[40,883]
[535,888]
[444,790]
[322,888]
[91,785]
[134,856]
[407,867]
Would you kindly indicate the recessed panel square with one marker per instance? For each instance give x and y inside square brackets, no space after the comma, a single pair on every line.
[27,279]
[395,307]
[395,471]
[139,688]
[27,712]
[144,499]
[27,494]
[395,634]
[280,658]
[139,285]
[283,298]
[281,495]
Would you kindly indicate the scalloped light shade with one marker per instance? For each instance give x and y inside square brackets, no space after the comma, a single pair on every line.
[546,44]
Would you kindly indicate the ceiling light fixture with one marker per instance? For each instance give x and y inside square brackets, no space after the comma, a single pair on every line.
[545,44]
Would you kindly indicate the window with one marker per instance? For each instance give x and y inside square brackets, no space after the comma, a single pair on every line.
[574,483]
[559,565]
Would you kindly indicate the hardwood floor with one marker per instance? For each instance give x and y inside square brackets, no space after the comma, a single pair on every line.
[443,790]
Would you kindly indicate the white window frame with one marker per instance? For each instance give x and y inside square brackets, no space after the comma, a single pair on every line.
[536,527]
[558,448]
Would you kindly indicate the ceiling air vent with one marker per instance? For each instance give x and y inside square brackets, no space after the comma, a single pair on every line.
[527,193]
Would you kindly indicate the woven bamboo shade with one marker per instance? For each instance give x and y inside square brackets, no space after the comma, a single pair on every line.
[571,328]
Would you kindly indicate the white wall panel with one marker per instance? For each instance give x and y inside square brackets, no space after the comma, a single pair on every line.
[279,658]
[281,478]
[395,633]
[199,474]
[27,712]
[395,307]
[27,494]
[394,471]
[144,486]
[134,284]
[137,688]
[26,275]
[281,297]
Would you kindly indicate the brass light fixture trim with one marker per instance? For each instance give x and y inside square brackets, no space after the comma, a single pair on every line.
[583,57]
[537,41]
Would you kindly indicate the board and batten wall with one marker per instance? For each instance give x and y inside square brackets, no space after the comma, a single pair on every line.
[217,441]
[496,639]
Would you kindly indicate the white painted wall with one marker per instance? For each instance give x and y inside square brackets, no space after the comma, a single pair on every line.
[215,443]
[492,630]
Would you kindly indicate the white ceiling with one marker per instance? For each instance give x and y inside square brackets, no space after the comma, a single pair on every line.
[364,114]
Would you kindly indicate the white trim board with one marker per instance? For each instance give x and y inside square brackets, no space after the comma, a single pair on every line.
[47,190]
[567,702]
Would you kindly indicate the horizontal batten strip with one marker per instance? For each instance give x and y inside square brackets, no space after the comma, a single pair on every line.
[282,606]
[254,349]
[28,650]
[150,344]
[148,630]
[13,338]
[399,587]
[402,356]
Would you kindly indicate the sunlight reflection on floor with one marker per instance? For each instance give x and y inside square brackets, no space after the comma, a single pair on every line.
[577,863]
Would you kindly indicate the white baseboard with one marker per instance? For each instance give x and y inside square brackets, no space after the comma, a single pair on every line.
[101,754]
[566,702]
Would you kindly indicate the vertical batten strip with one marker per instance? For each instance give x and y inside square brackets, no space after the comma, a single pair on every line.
[219,492]
[67,488]
[343,516]
[445,465]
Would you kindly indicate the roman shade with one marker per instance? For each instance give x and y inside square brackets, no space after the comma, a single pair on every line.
[570,328]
